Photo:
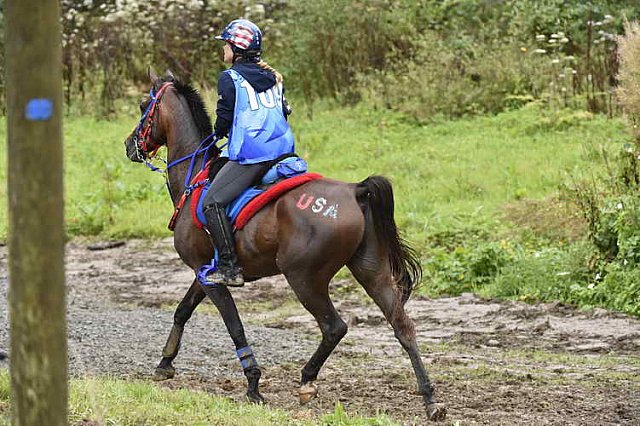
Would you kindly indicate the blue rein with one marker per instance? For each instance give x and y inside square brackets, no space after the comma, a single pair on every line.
[203,147]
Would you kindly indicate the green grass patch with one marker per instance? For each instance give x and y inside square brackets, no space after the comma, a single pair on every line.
[133,402]
[445,175]
[105,194]
[463,189]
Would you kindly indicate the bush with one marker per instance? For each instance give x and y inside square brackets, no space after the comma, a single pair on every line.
[619,290]
[467,267]
[548,274]
[441,81]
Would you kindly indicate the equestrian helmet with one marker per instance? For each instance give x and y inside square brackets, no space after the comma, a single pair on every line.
[242,34]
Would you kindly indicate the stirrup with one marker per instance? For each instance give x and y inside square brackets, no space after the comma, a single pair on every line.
[225,278]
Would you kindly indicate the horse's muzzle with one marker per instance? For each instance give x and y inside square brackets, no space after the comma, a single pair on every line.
[133,150]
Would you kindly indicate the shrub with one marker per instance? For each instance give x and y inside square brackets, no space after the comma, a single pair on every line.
[467,267]
[548,274]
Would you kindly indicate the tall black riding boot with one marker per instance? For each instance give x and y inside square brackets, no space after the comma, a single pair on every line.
[221,234]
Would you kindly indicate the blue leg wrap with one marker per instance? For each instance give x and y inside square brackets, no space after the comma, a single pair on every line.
[207,269]
[247,360]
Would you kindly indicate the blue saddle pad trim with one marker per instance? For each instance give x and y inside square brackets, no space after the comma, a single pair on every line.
[234,208]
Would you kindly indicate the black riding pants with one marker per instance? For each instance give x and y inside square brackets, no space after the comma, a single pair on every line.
[232,179]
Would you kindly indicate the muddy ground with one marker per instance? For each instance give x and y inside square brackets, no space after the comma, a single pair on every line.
[492,362]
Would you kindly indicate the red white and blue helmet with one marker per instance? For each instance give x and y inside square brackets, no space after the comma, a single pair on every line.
[242,34]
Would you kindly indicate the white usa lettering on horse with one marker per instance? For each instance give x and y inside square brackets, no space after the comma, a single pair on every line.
[320,207]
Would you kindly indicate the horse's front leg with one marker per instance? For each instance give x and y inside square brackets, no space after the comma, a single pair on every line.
[221,297]
[191,300]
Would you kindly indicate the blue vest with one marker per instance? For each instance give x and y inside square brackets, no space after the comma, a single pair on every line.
[259,131]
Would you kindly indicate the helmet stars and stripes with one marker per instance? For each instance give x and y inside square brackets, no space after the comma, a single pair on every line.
[243,34]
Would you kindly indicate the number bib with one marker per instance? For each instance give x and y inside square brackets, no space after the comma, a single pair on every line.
[259,131]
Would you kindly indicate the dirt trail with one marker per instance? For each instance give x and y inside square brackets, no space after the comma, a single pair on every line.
[492,362]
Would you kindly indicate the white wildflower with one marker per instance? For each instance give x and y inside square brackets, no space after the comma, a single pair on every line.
[541,37]
[619,206]
[564,40]
[591,286]
[540,51]
[555,61]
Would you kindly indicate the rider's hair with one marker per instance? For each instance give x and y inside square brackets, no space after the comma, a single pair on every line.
[254,56]
[262,64]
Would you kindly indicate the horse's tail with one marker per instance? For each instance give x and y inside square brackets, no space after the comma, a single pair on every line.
[376,193]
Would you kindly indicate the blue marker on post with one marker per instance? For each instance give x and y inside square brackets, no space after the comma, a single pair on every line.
[39,109]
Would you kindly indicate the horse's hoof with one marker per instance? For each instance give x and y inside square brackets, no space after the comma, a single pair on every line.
[255,398]
[164,373]
[436,412]
[307,392]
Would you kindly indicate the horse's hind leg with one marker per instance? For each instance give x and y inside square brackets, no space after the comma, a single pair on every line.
[185,309]
[313,292]
[373,273]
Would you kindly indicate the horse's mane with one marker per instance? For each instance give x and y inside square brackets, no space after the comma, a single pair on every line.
[196,105]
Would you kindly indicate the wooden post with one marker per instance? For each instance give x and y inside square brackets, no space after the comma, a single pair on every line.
[38,355]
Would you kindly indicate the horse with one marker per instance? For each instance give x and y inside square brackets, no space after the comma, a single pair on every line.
[283,238]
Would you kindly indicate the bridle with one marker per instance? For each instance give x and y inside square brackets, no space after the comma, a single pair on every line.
[142,132]
[141,136]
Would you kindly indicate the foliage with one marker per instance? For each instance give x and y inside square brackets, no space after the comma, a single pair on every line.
[458,57]
[425,57]
[609,200]
[109,44]
[468,267]
[546,274]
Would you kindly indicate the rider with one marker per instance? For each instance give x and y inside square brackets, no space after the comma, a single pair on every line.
[252,111]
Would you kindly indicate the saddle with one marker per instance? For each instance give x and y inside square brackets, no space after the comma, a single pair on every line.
[283,176]
[286,173]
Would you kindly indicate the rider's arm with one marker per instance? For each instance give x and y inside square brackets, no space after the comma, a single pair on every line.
[226,104]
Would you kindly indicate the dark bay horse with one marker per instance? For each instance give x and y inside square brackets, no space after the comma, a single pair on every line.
[291,236]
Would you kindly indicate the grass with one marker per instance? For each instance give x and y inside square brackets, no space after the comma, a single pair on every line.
[455,172]
[455,183]
[105,194]
[444,175]
[133,402]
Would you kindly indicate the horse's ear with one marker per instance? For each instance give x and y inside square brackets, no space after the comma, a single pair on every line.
[170,74]
[152,75]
